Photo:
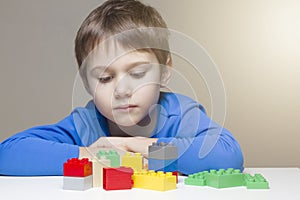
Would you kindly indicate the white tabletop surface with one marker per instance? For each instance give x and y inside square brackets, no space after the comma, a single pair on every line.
[284,185]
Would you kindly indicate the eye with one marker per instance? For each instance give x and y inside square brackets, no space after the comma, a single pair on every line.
[105,79]
[137,74]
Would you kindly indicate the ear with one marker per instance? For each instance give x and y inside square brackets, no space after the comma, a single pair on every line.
[166,73]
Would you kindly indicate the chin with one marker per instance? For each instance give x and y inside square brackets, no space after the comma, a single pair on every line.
[126,123]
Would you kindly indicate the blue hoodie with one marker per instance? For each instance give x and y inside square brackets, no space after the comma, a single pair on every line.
[202,144]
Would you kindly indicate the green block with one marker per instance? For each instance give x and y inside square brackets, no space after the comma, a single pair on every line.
[112,155]
[198,179]
[217,178]
[256,182]
[225,178]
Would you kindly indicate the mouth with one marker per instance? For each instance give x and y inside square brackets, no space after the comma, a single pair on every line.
[126,107]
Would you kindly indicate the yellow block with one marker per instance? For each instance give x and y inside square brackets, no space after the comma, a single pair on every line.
[134,161]
[154,180]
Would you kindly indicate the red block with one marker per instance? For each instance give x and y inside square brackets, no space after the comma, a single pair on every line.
[117,178]
[175,174]
[78,168]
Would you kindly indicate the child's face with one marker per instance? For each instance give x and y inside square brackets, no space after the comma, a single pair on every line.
[125,87]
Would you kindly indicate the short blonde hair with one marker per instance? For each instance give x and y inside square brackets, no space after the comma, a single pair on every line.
[117,16]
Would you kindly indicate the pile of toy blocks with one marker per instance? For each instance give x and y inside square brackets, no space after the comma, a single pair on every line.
[107,172]
[227,178]
[114,173]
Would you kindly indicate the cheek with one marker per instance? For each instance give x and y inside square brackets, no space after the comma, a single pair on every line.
[103,92]
[103,100]
[147,94]
[148,85]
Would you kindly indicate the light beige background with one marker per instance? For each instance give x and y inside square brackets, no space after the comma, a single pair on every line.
[254,43]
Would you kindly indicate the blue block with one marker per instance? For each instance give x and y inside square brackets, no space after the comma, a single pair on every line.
[163,165]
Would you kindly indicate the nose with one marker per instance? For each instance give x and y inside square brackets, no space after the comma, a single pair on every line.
[123,89]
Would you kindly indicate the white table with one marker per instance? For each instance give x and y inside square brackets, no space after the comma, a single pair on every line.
[284,185]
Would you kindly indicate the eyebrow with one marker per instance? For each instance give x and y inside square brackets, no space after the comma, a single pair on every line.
[129,66]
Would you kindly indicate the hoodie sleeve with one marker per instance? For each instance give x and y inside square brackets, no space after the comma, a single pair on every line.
[40,150]
[203,145]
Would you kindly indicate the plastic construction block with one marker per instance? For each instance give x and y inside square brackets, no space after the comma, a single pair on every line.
[78,167]
[256,182]
[134,161]
[163,151]
[197,179]
[225,178]
[112,155]
[163,165]
[117,178]
[217,178]
[151,180]
[175,174]
[98,166]
[77,183]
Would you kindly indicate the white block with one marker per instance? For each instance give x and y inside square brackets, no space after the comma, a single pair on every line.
[98,170]
[78,183]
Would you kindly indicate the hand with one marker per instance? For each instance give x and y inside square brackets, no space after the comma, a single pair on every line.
[111,143]
[103,143]
[140,145]
[120,144]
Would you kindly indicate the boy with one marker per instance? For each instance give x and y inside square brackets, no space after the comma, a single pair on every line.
[123,55]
